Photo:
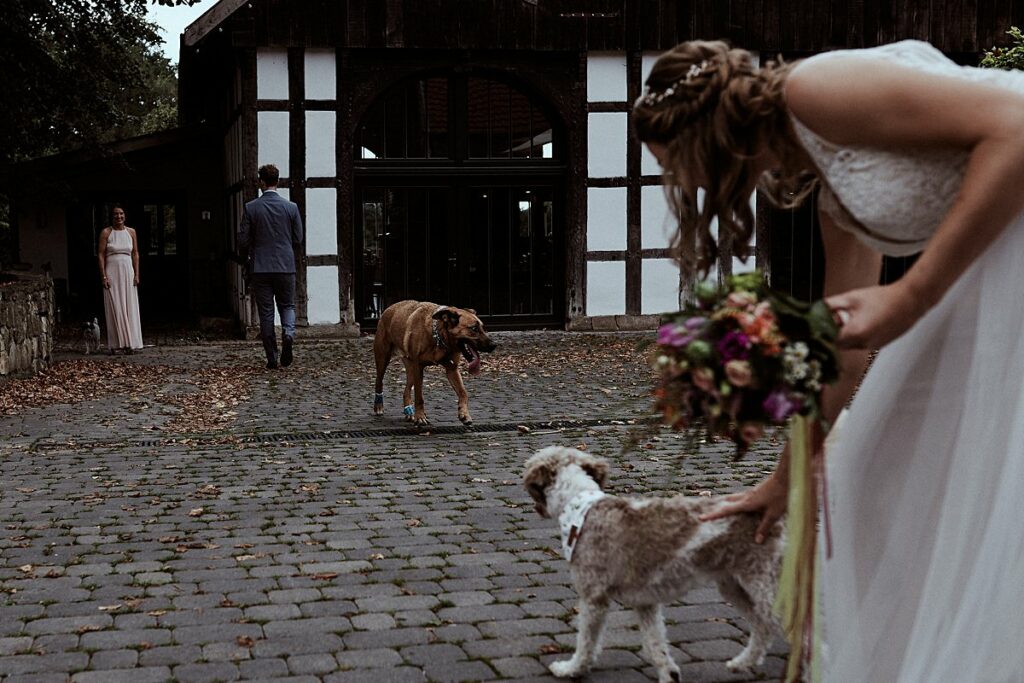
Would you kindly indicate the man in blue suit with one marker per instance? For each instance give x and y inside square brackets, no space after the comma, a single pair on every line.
[269,237]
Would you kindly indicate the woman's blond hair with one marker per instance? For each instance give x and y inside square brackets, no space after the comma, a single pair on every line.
[714,111]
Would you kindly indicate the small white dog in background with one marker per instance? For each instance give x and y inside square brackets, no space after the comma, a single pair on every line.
[91,336]
[645,552]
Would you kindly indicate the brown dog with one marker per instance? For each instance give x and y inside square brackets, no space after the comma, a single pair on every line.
[428,334]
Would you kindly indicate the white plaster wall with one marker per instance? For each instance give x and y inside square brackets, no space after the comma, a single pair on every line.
[320,144]
[648,164]
[321,221]
[657,224]
[320,75]
[606,288]
[607,134]
[322,290]
[271,74]
[606,77]
[272,139]
[659,286]
[606,218]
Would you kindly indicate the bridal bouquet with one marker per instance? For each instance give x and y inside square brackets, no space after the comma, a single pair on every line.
[743,358]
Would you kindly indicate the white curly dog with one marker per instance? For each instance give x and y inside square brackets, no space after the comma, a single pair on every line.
[645,552]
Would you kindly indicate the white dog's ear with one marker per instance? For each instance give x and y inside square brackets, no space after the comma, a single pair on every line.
[596,469]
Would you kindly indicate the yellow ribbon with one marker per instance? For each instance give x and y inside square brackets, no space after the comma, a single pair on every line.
[794,602]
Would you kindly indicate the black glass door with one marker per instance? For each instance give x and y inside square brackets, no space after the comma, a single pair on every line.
[490,247]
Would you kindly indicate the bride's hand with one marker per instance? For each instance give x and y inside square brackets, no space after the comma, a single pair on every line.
[872,317]
[769,498]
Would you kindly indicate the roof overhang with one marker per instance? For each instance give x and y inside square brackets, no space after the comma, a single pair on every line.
[209,20]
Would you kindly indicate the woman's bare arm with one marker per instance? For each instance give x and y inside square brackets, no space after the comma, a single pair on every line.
[101,254]
[850,100]
[135,254]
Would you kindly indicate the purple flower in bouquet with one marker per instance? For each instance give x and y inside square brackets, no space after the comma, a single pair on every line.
[780,405]
[679,335]
[734,345]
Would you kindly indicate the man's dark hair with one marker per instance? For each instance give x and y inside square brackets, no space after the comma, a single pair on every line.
[269,175]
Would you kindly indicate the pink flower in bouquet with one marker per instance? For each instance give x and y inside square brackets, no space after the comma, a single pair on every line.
[704,379]
[779,405]
[734,345]
[678,336]
[740,300]
[738,373]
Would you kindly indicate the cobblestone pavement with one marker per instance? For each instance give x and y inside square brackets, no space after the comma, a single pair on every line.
[192,517]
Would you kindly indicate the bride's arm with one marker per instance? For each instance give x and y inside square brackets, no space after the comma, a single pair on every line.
[850,101]
[849,264]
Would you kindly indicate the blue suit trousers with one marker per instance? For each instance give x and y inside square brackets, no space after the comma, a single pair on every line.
[266,288]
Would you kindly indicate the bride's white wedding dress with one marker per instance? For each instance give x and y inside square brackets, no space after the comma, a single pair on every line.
[926,481]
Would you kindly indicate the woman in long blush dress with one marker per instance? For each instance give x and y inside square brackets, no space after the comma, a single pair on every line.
[913,153]
[119,268]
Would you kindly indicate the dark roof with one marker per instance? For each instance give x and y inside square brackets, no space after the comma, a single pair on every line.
[173,138]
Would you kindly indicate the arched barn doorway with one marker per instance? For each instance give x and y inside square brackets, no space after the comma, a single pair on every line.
[460,200]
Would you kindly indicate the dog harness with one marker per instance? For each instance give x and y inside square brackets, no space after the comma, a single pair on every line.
[572,518]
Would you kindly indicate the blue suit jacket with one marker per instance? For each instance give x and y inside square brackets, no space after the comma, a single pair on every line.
[270,233]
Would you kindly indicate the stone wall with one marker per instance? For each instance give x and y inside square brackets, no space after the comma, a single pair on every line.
[614,323]
[27,324]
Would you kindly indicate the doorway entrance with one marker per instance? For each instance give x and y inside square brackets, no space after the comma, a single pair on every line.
[490,247]
[163,290]
[460,200]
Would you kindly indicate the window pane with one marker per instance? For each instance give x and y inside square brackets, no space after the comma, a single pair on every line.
[373,253]
[149,230]
[523,143]
[501,116]
[540,128]
[479,117]
[170,231]
[371,136]
[416,119]
[395,125]
[437,117]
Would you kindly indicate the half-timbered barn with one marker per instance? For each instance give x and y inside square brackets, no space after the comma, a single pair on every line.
[477,152]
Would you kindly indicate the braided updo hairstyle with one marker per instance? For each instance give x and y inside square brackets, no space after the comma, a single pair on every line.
[715,111]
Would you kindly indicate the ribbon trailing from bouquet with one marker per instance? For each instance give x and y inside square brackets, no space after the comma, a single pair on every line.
[794,602]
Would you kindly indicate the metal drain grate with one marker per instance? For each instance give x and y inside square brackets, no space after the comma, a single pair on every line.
[338,435]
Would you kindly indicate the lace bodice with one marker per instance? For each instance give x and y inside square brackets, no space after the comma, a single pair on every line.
[894,200]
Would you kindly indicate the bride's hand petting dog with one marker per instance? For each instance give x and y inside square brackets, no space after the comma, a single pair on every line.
[427,334]
[646,552]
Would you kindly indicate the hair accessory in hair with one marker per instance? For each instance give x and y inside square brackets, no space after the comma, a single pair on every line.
[653,97]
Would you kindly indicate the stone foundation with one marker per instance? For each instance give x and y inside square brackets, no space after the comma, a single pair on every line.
[26,325]
[614,323]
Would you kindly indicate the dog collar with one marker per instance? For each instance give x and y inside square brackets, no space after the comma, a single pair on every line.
[437,338]
[573,515]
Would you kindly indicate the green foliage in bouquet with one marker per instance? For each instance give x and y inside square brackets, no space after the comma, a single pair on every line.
[743,358]
[1009,57]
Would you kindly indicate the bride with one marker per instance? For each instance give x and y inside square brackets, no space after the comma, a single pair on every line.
[913,153]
